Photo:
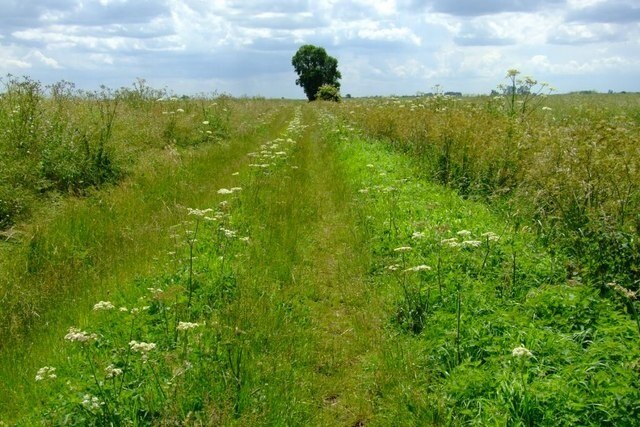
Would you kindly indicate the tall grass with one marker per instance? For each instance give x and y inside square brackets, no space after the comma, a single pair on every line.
[569,168]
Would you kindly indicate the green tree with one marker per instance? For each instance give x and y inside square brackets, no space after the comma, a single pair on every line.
[315,68]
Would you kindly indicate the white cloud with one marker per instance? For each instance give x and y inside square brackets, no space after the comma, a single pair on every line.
[386,46]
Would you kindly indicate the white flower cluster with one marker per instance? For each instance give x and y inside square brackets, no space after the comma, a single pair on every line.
[91,402]
[76,334]
[141,346]
[46,372]
[403,249]
[103,305]
[521,351]
[112,372]
[185,326]
[421,267]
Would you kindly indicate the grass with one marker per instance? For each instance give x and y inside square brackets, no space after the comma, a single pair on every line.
[307,274]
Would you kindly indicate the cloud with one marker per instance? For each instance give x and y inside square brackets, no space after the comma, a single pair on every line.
[607,12]
[579,34]
[488,7]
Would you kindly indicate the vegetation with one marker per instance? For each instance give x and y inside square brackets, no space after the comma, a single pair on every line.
[328,93]
[331,264]
[315,68]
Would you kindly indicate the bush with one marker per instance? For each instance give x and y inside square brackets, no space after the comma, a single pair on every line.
[328,93]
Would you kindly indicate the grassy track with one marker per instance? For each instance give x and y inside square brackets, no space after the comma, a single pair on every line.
[337,287]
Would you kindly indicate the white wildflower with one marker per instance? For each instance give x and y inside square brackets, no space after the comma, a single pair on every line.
[199,212]
[46,372]
[464,233]
[471,243]
[452,242]
[206,122]
[184,326]
[141,346]
[491,236]
[112,372]
[421,267]
[123,309]
[417,235]
[521,351]
[393,267]
[103,305]
[179,110]
[403,249]
[76,334]
[91,402]
[234,189]
[225,191]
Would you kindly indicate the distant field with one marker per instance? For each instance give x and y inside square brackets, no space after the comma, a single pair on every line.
[218,261]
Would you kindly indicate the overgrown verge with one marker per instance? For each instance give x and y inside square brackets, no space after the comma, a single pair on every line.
[60,140]
[170,350]
[498,334]
[567,166]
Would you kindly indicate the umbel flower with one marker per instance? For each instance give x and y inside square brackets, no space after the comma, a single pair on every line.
[103,305]
[46,372]
[521,351]
[185,326]
[76,334]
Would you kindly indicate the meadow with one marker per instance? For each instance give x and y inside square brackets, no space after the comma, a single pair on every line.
[389,261]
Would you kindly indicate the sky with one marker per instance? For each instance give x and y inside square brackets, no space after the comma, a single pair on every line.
[383,47]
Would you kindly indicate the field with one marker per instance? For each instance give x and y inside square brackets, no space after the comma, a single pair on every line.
[388,261]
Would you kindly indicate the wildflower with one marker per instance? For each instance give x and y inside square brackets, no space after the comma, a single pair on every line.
[185,326]
[521,351]
[76,334]
[155,292]
[464,233]
[206,122]
[91,402]
[123,309]
[471,243]
[112,372]
[491,236]
[421,267]
[234,189]
[403,249]
[46,372]
[452,242]
[245,239]
[363,190]
[225,191]
[103,305]
[393,267]
[546,108]
[179,110]
[235,174]
[229,233]
[141,347]
[628,293]
[417,235]
[199,212]
[370,165]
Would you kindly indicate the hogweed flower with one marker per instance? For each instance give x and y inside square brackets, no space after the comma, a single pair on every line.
[491,236]
[627,293]
[185,326]
[421,267]
[225,191]
[417,235]
[103,305]
[46,372]
[403,249]
[112,372]
[91,402]
[521,351]
[471,243]
[464,233]
[76,334]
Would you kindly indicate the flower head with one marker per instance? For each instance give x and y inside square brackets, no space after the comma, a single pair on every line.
[76,334]
[403,249]
[521,351]
[46,372]
[112,372]
[185,326]
[103,305]
[421,267]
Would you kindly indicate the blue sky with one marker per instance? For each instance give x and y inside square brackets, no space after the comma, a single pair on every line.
[383,47]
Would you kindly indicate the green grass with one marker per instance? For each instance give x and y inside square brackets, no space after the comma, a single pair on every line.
[308,311]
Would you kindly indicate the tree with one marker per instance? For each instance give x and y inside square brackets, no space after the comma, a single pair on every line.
[315,68]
